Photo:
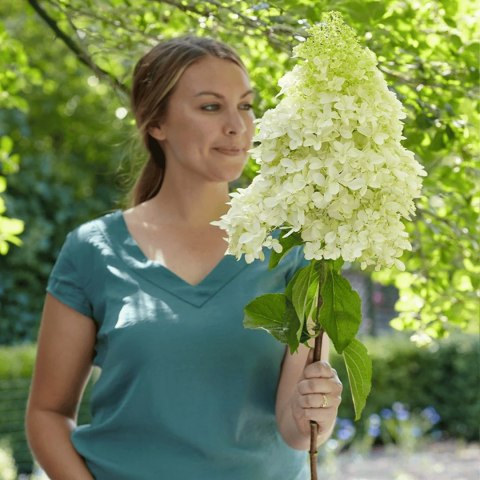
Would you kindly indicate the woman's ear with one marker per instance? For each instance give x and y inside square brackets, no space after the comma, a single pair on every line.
[157,132]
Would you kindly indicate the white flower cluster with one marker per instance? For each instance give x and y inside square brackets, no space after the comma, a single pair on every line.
[332,166]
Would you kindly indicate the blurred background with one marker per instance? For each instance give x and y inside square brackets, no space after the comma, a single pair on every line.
[68,148]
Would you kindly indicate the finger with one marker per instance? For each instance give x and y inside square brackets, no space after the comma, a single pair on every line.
[319,400]
[320,385]
[318,415]
[319,369]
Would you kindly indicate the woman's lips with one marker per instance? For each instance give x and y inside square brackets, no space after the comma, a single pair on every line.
[231,151]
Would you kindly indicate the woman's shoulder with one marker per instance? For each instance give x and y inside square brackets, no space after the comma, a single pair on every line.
[97,231]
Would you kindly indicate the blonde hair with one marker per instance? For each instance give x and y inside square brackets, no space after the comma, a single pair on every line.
[154,79]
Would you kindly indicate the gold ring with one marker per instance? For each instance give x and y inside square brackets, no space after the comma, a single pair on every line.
[325,401]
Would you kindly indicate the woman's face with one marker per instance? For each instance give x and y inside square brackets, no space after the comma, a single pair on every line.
[208,126]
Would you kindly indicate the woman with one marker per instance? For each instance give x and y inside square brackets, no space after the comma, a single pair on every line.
[148,296]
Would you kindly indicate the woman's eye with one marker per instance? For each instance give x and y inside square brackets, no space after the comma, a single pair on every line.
[211,107]
[214,107]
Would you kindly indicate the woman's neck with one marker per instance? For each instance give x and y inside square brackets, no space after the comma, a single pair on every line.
[194,204]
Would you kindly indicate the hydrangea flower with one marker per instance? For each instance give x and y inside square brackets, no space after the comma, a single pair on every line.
[332,166]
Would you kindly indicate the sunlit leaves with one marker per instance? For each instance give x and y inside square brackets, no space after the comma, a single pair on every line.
[340,315]
[68,158]
[428,50]
[13,63]
[359,370]
[10,228]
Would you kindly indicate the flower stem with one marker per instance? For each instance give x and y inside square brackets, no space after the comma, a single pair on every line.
[313,450]
[317,352]
[317,355]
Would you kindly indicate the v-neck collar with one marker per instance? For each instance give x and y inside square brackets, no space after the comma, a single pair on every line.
[154,272]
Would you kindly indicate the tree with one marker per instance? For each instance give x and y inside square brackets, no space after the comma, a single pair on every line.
[427,50]
[13,70]
[70,146]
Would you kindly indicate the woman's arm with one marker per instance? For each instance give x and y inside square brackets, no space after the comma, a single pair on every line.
[63,365]
[302,391]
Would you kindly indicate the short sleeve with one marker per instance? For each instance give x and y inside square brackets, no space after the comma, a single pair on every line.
[68,278]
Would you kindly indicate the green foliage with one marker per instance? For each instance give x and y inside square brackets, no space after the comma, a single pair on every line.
[436,77]
[340,314]
[303,292]
[10,228]
[359,369]
[16,363]
[71,143]
[444,376]
[71,146]
[318,298]
[408,431]
[267,312]
[16,367]
[13,71]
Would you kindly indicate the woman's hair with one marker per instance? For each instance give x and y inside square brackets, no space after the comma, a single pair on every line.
[154,79]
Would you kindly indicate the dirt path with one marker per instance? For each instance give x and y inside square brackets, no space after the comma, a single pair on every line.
[442,461]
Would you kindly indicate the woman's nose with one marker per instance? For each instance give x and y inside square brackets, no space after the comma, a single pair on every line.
[235,124]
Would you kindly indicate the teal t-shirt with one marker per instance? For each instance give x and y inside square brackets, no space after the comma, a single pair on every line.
[185,391]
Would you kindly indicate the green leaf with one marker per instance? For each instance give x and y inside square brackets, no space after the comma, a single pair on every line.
[294,326]
[359,370]
[275,313]
[440,83]
[340,314]
[304,292]
[301,293]
[267,312]
[336,265]
[287,243]
[6,144]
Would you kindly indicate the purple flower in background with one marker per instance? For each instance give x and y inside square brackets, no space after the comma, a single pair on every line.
[374,422]
[401,412]
[346,429]
[386,413]
[431,415]
[374,419]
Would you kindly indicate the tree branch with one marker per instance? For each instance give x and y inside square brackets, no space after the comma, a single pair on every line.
[105,19]
[82,56]
[273,33]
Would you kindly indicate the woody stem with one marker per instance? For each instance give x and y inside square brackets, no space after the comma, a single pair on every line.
[317,354]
